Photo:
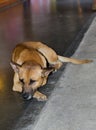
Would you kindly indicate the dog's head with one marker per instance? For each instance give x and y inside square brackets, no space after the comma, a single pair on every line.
[30,76]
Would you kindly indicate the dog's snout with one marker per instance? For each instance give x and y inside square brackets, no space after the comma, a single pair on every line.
[26,96]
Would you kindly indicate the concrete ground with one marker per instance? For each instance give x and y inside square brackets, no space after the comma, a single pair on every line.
[72,105]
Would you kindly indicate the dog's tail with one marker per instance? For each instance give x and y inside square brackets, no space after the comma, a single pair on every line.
[74,61]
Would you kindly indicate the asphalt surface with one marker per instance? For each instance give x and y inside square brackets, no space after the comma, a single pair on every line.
[59,24]
[72,104]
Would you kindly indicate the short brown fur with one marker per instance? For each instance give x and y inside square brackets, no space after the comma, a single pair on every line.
[32,63]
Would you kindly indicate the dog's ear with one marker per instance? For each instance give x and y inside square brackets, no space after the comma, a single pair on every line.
[46,72]
[15,66]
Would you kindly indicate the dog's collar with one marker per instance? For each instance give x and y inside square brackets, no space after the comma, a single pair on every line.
[47,63]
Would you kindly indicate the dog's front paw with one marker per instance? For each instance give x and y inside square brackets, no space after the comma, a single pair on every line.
[39,96]
[17,88]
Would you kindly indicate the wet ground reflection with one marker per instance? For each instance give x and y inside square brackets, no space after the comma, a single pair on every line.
[54,22]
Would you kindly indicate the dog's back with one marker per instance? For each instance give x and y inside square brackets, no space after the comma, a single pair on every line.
[23,53]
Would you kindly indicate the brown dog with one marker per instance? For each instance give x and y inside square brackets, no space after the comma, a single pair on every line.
[32,63]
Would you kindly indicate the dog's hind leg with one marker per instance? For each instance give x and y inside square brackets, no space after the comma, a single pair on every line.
[51,56]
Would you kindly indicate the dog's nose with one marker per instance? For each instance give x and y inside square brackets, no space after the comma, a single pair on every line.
[26,96]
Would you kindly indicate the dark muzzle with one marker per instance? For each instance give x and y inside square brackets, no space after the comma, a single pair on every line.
[26,96]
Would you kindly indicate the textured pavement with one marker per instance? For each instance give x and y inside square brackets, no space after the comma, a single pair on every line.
[72,104]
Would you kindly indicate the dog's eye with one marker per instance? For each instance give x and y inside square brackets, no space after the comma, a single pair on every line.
[22,80]
[31,81]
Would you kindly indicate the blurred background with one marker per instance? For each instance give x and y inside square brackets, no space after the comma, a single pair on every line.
[60,24]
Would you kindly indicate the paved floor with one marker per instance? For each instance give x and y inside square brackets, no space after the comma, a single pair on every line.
[72,105]
[56,23]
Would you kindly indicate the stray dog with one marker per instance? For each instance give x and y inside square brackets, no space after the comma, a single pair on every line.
[32,62]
